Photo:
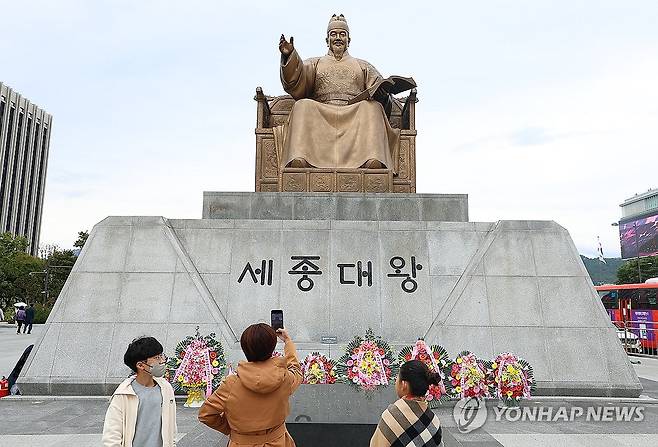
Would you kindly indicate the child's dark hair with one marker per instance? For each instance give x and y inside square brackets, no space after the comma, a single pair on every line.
[141,349]
[419,377]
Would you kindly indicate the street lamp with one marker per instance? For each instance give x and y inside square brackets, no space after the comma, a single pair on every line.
[46,273]
[637,249]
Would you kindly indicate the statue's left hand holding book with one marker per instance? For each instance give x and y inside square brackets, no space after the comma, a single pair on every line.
[384,87]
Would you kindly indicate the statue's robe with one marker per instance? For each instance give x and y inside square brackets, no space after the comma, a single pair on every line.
[322,129]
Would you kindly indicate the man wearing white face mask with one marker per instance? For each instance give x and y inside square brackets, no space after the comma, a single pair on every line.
[142,411]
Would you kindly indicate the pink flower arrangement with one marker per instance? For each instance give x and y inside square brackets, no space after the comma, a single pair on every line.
[513,378]
[469,377]
[436,358]
[367,363]
[197,363]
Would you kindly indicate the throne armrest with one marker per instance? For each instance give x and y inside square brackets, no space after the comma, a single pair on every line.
[409,111]
[263,111]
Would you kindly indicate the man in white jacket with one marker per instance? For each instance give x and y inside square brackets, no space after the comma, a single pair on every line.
[142,411]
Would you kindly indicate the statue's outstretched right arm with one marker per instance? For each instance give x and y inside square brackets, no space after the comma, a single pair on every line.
[297,76]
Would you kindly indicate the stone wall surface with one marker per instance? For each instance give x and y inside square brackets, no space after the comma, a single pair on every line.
[514,286]
[335,206]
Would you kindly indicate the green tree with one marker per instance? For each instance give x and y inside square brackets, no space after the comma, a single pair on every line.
[24,277]
[82,239]
[16,283]
[628,271]
[59,265]
[10,244]
[602,273]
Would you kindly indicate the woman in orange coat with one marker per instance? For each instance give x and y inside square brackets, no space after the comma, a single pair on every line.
[251,407]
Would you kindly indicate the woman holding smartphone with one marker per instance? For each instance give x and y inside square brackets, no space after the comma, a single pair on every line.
[251,407]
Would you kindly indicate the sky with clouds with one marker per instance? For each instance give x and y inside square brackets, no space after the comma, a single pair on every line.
[536,109]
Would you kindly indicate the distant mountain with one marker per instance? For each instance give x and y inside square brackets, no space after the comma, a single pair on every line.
[602,273]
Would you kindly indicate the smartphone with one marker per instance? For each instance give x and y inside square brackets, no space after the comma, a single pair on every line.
[277,319]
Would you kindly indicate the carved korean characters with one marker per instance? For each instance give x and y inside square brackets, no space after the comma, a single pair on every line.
[358,273]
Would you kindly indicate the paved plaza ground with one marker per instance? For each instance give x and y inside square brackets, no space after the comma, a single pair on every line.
[12,345]
[66,421]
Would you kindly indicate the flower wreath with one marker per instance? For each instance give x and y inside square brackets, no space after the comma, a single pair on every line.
[198,362]
[513,377]
[437,360]
[317,369]
[368,363]
[470,377]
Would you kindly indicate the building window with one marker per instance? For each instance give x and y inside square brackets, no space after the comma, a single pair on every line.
[5,161]
[42,164]
[33,164]
[2,122]
[24,177]
[13,180]
[42,174]
[652,202]
[2,113]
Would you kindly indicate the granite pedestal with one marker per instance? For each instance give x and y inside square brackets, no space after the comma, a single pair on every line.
[488,287]
[335,206]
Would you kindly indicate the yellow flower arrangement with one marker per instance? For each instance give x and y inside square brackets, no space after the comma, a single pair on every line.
[318,369]
[368,364]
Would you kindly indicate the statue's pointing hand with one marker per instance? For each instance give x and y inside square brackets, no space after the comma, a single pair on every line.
[286,48]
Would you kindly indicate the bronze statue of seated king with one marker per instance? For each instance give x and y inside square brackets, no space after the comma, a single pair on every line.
[341,128]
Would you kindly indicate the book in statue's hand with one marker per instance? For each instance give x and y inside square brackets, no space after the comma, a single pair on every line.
[391,85]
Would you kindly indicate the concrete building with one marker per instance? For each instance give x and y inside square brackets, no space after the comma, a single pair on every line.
[24,141]
[638,226]
[640,205]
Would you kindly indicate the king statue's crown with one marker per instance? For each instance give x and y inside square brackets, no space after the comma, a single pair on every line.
[337,21]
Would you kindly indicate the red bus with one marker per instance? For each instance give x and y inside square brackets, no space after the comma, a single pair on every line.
[633,309]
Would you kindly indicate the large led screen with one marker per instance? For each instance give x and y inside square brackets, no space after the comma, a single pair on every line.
[641,236]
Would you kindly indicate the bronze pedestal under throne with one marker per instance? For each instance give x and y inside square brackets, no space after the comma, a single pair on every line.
[273,111]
